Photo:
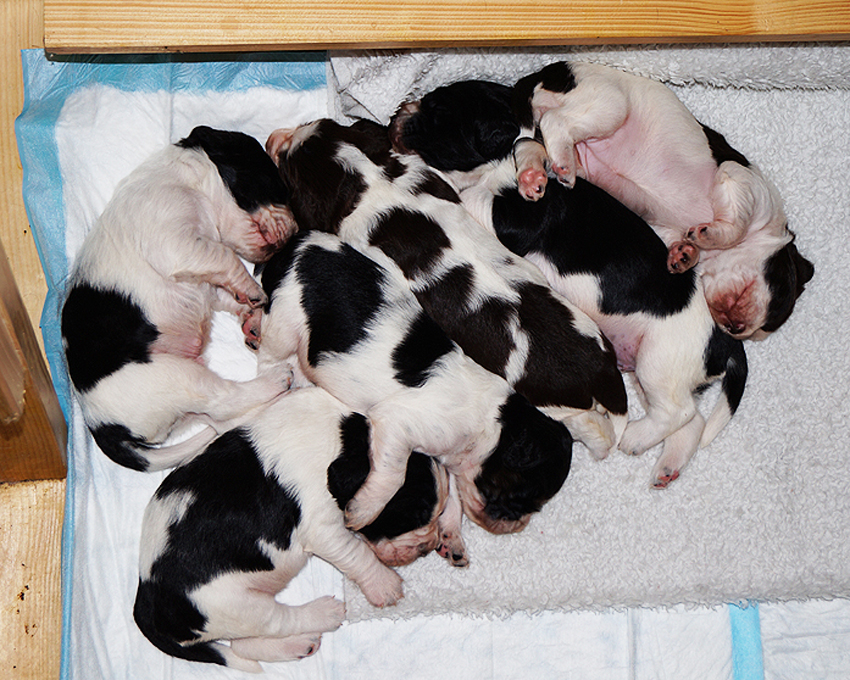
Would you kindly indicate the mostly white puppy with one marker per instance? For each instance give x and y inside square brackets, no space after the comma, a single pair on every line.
[227,531]
[163,256]
[496,306]
[357,331]
[634,138]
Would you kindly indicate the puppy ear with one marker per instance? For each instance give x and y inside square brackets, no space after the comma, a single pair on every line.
[805,269]
[529,437]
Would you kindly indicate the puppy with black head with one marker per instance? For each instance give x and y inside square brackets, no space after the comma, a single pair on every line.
[228,530]
[354,328]
[634,138]
[498,308]
[163,256]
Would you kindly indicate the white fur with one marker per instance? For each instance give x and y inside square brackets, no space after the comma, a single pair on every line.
[297,438]
[171,238]
[634,138]
[452,416]
[668,352]
[495,267]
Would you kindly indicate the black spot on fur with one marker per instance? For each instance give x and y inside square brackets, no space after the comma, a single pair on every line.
[411,239]
[721,150]
[422,347]
[586,231]
[555,376]
[410,508]
[786,273]
[482,332]
[228,516]
[434,185]
[557,77]
[323,193]
[121,445]
[461,126]
[103,331]
[244,166]
[530,462]
[341,294]
[726,356]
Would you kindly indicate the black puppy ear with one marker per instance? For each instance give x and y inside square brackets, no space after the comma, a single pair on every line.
[805,269]
[530,437]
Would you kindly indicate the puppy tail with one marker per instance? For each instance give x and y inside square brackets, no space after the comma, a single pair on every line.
[132,452]
[731,390]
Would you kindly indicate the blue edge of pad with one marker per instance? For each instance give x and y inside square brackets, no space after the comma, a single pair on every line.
[46,86]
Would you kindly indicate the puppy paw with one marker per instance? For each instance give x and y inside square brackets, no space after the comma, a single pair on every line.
[359,514]
[327,613]
[251,323]
[384,588]
[269,649]
[664,477]
[682,256]
[532,183]
[452,549]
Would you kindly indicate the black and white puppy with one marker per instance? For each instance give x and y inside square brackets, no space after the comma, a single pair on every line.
[228,530]
[601,256]
[355,329]
[498,308]
[634,138]
[609,262]
[163,256]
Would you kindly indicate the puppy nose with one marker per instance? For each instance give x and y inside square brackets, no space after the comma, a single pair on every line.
[735,327]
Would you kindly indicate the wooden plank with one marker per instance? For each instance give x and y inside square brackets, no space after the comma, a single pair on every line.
[212,25]
[30,582]
[33,446]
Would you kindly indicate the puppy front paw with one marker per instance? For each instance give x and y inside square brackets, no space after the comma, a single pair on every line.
[532,183]
[384,589]
[359,513]
[452,549]
[664,477]
[682,256]
[251,323]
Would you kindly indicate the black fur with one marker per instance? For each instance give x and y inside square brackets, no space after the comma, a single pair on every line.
[726,356]
[485,131]
[721,150]
[231,496]
[413,504]
[412,240]
[422,347]
[244,166]
[786,273]
[341,293]
[121,445]
[557,77]
[103,331]
[585,231]
[528,466]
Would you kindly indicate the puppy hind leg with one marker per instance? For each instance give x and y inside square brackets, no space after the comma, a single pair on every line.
[277,649]
[677,451]
[531,165]
[449,522]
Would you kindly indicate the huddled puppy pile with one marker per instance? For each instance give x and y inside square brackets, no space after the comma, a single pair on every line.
[435,324]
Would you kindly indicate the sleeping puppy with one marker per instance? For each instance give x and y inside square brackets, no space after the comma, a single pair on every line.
[228,530]
[634,138]
[356,330]
[683,178]
[163,256]
[608,261]
[495,306]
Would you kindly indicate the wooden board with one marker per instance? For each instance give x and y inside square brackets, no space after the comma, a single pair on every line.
[210,25]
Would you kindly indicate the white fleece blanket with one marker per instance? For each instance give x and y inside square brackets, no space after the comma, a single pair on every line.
[763,513]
